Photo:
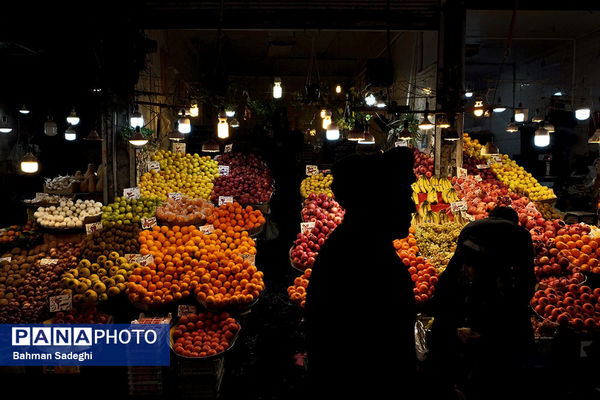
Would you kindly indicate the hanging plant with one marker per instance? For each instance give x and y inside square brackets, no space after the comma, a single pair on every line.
[128,132]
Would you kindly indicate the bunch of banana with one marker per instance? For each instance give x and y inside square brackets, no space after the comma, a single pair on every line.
[423,185]
[432,196]
[450,196]
[445,184]
[415,197]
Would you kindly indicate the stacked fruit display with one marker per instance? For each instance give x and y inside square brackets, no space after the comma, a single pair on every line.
[234,216]
[317,184]
[423,165]
[88,315]
[520,181]
[128,211]
[204,335]
[326,214]
[576,306]
[21,234]
[186,261]
[91,282]
[297,292]
[190,175]
[433,198]
[422,272]
[476,166]
[248,180]
[580,249]
[185,211]
[548,211]
[122,239]
[437,242]
[553,268]
[68,214]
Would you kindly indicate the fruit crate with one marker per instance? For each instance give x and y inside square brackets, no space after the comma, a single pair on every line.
[197,381]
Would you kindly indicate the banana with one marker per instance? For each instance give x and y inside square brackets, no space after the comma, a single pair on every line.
[416,188]
[415,198]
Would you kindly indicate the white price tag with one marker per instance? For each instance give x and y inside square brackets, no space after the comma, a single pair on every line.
[224,170]
[93,227]
[249,257]
[456,206]
[131,193]
[497,158]
[207,229]
[478,178]
[144,260]
[175,196]
[63,302]
[462,173]
[131,257]
[184,309]
[225,200]
[306,226]
[467,216]
[49,261]
[401,143]
[482,166]
[9,258]
[153,166]
[148,223]
[312,170]
[179,148]
[228,148]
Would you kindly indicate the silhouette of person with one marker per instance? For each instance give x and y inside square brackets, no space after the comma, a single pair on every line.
[482,330]
[360,307]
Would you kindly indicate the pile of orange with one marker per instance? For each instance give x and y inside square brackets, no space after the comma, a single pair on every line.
[422,272]
[236,217]
[187,261]
[583,251]
[297,292]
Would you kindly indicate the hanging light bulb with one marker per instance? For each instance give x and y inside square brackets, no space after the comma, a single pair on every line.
[537,118]
[29,164]
[138,139]
[468,93]
[489,149]
[70,134]
[4,126]
[333,132]
[370,99]
[234,123]
[405,132]
[549,127]
[323,113]
[72,118]
[442,121]
[50,128]
[24,110]
[541,138]
[176,136]
[194,110]
[230,113]
[582,113]
[595,137]
[93,136]
[356,134]
[338,89]
[183,124]
[512,126]
[211,146]
[277,89]
[426,123]
[222,126]
[451,136]
[478,108]
[499,107]
[520,114]
[380,104]
[369,139]
[136,119]
[326,120]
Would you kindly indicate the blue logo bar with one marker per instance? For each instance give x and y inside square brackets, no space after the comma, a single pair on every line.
[85,345]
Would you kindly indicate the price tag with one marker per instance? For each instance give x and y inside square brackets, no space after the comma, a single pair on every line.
[153,166]
[49,261]
[531,206]
[224,170]
[482,166]
[207,229]
[93,227]
[312,170]
[462,173]
[8,259]
[401,143]
[184,309]
[225,200]
[63,302]
[131,257]
[179,148]
[456,206]
[497,158]
[144,260]
[228,148]
[306,226]
[478,178]
[148,223]
[249,257]
[467,216]
[584,345]
[131,193]
[175,196]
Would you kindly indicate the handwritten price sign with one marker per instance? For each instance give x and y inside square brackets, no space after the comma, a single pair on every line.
[225,200]
[93,227]
[175,196]
[478,178]
[5,259]
[49,261]
[224,170]
[482,166]
[456,206]
[306,226]
[179,148]
[148,223]
[144,260]
[184,309]
[207,229]
[153,166]
[249,257]
[131,193]
[131,257]
[312,170]
[63,302]
[228,148]
[462,173]
[467,216]
[401,143]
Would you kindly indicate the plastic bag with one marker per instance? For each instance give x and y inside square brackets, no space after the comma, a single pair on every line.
[420,340]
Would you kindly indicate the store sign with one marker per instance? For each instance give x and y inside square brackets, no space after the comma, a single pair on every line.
[85,345]
[131,193]
[148,223]
[153,166]
[178,148]
[312,170]
[49,261]
[456,206]
[306,227]
[462,173]
[249,257]
[93,227]
[228,148]
[184,309]
[224,170]
[63,302]
[207,229]
[225,200]
[175,196]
